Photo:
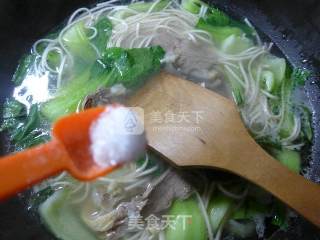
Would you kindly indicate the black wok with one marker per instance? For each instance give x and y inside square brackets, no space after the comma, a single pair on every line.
[293,25]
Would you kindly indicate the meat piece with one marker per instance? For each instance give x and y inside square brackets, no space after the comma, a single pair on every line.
[191,58]
[172,187]
[105,96]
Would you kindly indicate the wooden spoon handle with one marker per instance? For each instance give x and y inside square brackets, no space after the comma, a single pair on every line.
[289,187]
[23,169]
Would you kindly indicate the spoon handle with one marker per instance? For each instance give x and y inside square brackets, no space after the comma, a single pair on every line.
[23,169]
[293,189]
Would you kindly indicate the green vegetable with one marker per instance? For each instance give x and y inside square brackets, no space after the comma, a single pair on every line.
[218,33]
[289,114]
[38,198]
[237,89]
[30,124]
[68,97]
[268,81]
[23,68]
[216,17]
[235,44]
[127,66]
[250,209]
[294,79]
[268,141]
[104,30]
[274,73]
[237,93]
[220,207]
[289,158]
[221,26]
[306,128]
[13,114]
[192,6]
[249,31]
[63,219]
[53,58]
[241,222]
[76,41]
[280,215]
[225,31]
[189,222]
[299,76]
[288,123]
[24,128]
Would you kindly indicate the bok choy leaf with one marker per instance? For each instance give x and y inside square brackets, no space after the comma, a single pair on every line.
[116,65]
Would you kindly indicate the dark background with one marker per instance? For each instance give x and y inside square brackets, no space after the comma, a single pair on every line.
[294,25]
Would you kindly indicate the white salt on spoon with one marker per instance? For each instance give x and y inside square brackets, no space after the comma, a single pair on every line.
[117,137]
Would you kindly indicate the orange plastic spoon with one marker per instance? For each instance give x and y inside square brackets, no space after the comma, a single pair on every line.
[68,150]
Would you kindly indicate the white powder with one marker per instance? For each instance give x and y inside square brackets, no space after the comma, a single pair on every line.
[117,137]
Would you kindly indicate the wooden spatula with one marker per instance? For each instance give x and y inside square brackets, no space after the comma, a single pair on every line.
[192,126]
